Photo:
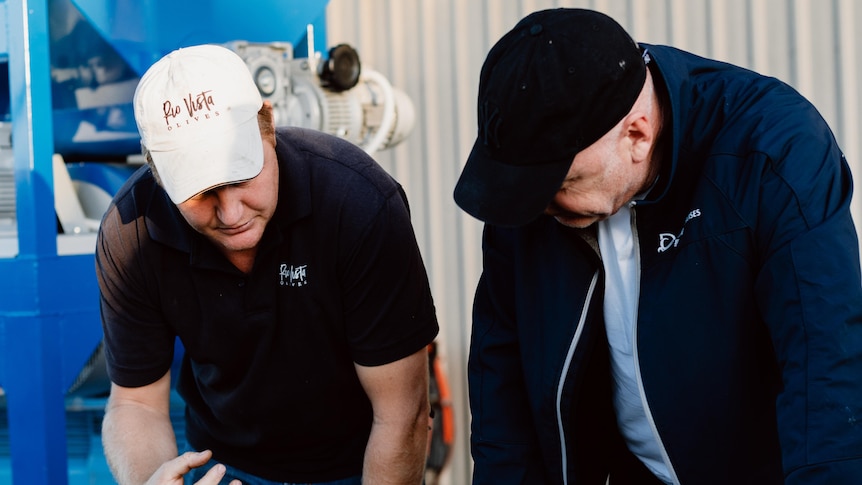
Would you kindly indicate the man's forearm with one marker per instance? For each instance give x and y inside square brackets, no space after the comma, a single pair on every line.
[136,441]
[396,454]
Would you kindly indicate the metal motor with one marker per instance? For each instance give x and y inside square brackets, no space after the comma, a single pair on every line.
[335,96]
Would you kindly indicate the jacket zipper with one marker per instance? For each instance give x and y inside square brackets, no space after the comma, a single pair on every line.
[574,343]
[647,410]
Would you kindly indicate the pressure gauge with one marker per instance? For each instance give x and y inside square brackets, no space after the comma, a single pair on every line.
[266,81]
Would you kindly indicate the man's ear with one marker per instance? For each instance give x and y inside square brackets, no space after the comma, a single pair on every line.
[271,111]
[641,135]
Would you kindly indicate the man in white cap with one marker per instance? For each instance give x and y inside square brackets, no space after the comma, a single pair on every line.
[285,263]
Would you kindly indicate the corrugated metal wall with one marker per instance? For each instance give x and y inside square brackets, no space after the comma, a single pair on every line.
[433,50]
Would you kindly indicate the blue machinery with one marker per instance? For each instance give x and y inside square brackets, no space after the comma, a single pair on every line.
[72,66]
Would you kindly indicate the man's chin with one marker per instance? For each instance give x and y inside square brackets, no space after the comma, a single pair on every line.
[577,222]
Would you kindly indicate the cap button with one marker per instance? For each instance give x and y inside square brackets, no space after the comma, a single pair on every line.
[536,29]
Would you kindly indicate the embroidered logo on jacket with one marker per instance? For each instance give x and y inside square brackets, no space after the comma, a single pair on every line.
[293,275]
[667,240]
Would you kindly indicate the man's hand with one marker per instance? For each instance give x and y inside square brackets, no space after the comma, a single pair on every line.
[172,472]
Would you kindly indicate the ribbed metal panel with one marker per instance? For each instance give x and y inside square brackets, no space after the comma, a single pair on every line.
[433,51]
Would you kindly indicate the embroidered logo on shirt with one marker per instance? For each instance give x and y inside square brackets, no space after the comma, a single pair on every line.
[293,275]
[667,240]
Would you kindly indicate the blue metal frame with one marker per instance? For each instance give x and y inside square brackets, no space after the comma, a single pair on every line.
[31,318]
[49,317]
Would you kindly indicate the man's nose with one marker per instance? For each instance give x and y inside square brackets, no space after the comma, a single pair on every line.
[229,205]
[553,209]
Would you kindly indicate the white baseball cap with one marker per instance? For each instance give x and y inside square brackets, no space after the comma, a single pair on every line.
[196,110]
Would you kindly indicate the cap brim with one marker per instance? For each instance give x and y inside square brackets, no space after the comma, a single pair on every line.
[221,159]
[502,194]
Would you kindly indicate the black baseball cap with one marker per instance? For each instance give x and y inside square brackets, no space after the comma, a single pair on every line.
[550,87]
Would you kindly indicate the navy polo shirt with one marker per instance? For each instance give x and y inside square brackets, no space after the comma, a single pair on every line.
[268,374]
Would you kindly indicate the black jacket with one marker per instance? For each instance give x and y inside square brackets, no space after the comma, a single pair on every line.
[749,328]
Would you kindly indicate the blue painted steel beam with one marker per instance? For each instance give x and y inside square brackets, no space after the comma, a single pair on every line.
[32,127]
[33,348]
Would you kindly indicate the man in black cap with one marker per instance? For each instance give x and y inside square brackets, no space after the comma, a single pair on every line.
[671,284]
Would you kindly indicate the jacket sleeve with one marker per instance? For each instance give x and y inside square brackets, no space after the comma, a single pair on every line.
[503,438]
[809,292]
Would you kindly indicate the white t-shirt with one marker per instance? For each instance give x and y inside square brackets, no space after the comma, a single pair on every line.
[622,288]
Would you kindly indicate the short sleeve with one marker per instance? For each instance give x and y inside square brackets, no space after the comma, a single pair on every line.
[388,304]
[139,344]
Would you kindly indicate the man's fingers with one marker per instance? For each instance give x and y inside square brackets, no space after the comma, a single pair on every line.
[179,466]
[214,476]
[194,459]
[173,471]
